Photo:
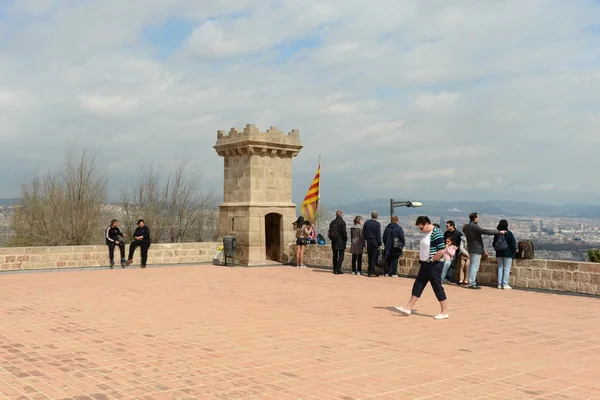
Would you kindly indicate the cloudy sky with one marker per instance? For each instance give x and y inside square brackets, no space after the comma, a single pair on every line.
[457,100]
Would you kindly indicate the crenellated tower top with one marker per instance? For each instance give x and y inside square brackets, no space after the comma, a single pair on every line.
[252,141]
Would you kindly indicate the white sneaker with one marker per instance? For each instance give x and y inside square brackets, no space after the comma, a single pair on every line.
[394,276]
[499,286]
[442,316]
[297,266]
[507,287]
[303,266]
[404,311]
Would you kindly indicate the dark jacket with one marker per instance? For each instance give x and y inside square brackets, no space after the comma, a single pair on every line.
[357,241]
[392,231]
[455,236]
[111,234]
[143,231]
[511,252]
[372,231]
[474,239]
[338,225]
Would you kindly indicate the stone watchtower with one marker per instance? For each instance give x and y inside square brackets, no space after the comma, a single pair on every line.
[257,207]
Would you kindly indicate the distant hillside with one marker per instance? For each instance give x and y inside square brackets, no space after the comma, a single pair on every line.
[8,202]
[463,208]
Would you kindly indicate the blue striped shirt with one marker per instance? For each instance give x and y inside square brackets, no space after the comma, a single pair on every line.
[436,242]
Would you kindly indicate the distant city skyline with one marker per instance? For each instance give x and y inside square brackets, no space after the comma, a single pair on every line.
[423,100]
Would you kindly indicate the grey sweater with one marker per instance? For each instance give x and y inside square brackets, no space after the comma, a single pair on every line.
[474,237]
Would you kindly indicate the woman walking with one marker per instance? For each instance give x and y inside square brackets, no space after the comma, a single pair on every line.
[393,240]
[506,250]
[357,245]
[142,240]
[431,253]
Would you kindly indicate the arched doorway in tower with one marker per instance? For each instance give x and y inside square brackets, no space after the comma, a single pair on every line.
[273,236]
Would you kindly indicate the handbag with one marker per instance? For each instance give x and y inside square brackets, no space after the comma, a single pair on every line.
[381,259]
[397,244]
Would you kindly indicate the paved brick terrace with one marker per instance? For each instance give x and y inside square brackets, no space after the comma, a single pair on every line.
[283,333]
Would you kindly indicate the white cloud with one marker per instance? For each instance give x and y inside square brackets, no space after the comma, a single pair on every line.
[34,6]
[432,102]
[110,104]
[481,99]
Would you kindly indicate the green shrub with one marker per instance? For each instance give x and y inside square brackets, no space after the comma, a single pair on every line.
[594,255]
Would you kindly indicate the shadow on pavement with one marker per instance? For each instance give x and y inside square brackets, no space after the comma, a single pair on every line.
[393,310]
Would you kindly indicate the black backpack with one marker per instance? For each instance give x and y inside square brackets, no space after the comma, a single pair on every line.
[332,234]
[501,245]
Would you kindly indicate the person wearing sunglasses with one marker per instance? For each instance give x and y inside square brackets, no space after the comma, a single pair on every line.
[431,254]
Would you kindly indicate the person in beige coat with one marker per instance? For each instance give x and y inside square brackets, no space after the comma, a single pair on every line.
[357,245]
[461,272]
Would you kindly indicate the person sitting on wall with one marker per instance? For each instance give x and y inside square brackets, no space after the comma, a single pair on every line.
[312,237]
[113,237]
[142,240]
[449,253]
[457,239]
[462,264]
[452,232]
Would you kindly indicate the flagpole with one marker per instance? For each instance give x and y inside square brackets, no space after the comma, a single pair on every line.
[319,178]
[319,198]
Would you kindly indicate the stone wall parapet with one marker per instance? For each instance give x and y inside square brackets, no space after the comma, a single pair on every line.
[38,258]
[560,276]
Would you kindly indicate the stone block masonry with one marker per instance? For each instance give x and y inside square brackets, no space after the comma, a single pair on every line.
[39,258]
[257,191]
[560,276]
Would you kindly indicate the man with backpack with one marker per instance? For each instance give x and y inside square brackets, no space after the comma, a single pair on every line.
[338,237]
[372,235]
[393,238]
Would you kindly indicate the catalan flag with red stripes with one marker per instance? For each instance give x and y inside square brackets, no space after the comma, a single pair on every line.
[311,200]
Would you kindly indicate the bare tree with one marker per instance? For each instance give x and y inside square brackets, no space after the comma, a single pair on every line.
[63,207]
[179,210]
[144,200]
[323,217]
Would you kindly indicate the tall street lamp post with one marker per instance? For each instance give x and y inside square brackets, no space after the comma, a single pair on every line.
[395,203]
